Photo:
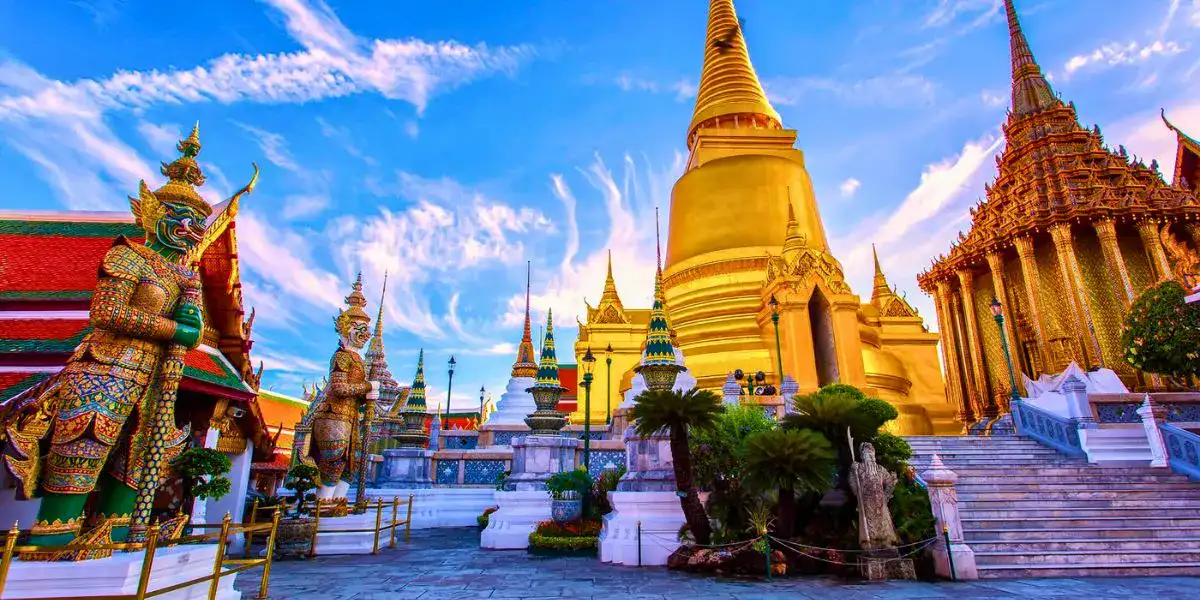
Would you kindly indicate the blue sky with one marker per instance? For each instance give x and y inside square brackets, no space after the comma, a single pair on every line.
[449,142]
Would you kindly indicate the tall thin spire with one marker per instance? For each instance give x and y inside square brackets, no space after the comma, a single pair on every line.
[729,87]
[881,284]
[657,242]
[609,296]
[525,365]
[1030,91]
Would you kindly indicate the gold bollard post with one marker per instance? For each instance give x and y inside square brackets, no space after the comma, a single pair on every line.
[312,546]
[378,524]
[220,562]
[395,510]
[408,520]
[147,561]
[250,528]
[10,542]
[266,576]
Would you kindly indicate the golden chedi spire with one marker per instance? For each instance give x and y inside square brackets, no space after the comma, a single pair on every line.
[793,240]
[729,89]
[881,288]
[526,365]
[1031,92]
[610,310]
[609,296]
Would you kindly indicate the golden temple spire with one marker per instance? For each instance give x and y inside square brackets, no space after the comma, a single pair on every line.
[609,297]
[525,365]
[881,285]
[1030,91]
[729,90]
[793,240]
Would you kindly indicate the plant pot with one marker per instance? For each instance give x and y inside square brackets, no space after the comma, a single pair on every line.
[294,537]
[565,511]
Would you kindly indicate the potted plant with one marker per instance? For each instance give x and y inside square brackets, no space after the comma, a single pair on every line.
[566,492]
[295,534]
[203,472]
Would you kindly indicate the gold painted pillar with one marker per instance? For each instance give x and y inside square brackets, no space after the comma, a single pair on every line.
[1029,273]
[795,330]
[847,341]
[966,289]
[1068,269]
[995,261]
[950,354]
[1148,229]
[1106,230]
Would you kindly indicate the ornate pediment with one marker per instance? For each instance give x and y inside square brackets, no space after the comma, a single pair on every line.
[808,264]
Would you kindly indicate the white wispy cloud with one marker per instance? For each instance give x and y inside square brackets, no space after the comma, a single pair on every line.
[682,88]
[849,187]
[892,91]
[316,184]
[1144,134]
[1117,54]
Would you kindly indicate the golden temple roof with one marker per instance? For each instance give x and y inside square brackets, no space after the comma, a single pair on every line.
[728,85]
[525,366]
[889,303]
[1030,90]
[609,310]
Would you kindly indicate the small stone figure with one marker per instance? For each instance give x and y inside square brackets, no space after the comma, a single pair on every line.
[873,486]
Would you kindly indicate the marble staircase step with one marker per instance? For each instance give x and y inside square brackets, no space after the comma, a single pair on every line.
[1098,503]
[969,473]
[1002,484]
[1099,479]
[1036,512]
[1112,492]
[1099,556]
[1083,569]
[1022,531]
[1094,545]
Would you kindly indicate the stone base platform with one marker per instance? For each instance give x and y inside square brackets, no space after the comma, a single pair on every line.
[520,512]
[438,507]
[333,539]
[660,516]
[118,576]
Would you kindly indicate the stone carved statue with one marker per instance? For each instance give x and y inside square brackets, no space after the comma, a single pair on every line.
[334,440]
[87,428]
[873,486]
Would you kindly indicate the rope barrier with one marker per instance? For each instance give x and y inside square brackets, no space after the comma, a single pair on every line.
[789,545]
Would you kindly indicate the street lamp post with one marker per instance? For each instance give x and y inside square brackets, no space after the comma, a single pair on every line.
[608,352]
[998,313]
[449,386]
[756,379]
[774,304]
[589,363]
[481,391]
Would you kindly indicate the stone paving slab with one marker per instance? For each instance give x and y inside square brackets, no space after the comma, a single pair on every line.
[448,564]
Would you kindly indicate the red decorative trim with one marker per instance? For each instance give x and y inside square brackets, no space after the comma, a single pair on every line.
[36,359]
[203,387]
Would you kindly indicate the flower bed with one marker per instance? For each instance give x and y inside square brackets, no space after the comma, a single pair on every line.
[576,538]
[486,516]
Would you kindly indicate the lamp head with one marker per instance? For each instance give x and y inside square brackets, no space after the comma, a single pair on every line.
[589,361]
[451,363]
[773,303]
[760,377]
[997,308]
[608,352]
[739,375]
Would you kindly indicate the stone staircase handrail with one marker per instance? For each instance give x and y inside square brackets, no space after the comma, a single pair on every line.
[1055,431]
[1183,450]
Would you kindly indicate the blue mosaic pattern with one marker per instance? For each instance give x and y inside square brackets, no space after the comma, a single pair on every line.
[1183,450]
[599,460]
[504,438]
[483,472]
[594,435]
[1118,412]
[447,472]
[460,442]
[1181,412]
[1049,429]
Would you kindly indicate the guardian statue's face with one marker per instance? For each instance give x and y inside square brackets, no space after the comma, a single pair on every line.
[180,227]
[356,335]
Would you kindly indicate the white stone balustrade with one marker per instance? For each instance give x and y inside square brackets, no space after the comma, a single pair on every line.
[943,499]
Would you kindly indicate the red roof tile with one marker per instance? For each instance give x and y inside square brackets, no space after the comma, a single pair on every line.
[54,259]
[41,329]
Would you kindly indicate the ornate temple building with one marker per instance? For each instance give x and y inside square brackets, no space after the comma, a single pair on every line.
[1070,232]
[724,282]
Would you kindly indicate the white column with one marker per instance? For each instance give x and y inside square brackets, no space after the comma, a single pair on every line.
[200,509]
[944,500]
[234,502]
[1153,414]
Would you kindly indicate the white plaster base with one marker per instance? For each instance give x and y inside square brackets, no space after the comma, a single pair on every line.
[964,561]
[118,576]
[515,404]
[331,541]
[519,513]
[661,517]
[439,507]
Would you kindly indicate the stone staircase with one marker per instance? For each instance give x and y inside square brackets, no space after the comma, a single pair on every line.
[1029,511]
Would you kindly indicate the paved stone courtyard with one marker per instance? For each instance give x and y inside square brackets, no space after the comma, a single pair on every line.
[447,563]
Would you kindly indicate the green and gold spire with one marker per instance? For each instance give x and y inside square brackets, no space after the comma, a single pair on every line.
[658,335]
[547,373]
[415,435]
[416,394]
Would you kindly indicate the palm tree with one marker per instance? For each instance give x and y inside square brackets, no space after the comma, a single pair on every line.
[789,461]
[675,413]
[834,412]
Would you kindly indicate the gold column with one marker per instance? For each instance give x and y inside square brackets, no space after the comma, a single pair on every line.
[966,289]
[1148,229]
[1068,269]
[995,261]
[950,354]
[1029,273]
[1106,230]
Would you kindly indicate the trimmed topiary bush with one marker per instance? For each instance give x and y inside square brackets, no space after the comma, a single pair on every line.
[1162,332]
[577,538]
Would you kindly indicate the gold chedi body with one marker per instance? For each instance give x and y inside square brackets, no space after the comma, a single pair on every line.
[745,228]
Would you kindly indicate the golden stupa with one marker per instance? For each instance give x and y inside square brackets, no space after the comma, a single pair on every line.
[720,275]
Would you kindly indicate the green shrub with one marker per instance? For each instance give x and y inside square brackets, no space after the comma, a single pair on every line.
[892,452]
[561,484]
[486,516]
[301,479]
[605,484]
[877,412]
[537,540]
[911,513]
[1162,332]
[719,458]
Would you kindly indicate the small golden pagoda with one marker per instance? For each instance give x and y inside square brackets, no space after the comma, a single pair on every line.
[745,230]
[1070,232]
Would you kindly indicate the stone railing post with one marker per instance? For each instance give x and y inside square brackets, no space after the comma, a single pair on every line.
[944,500]
[1078,407]
[1152,414]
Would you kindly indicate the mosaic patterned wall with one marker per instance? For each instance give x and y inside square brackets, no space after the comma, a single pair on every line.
[995,367]
[505,438]
[605,459]
[1106,308]
[457,442]
[446,472]
[1136,261]
[483,472]
[1052,295]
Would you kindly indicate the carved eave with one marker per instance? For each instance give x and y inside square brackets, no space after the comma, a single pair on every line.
[808,265]
[1187,158]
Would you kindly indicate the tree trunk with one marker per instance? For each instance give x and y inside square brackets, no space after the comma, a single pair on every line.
[693,509]
[786,518]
